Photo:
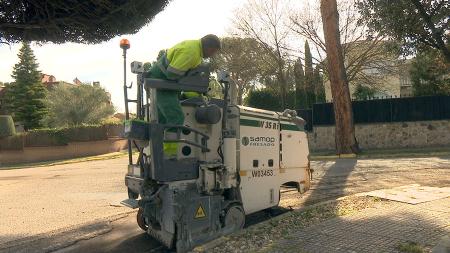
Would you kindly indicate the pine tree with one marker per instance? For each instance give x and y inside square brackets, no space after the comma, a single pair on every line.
[25,96]
[343,115]
[300,91]
[318,84]
[88,21]
[309,77]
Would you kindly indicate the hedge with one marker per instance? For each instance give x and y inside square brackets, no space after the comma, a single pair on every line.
[62,136]
[87,133]
[14,142]
[115,130]
[269,100]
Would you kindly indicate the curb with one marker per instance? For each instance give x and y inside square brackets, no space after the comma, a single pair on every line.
[443,245]
[108,156]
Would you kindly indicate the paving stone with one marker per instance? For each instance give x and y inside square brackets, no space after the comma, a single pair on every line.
[374,230]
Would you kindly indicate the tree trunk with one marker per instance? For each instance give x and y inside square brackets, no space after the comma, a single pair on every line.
[240,92]
[344,130]
[282,83]
[235,87]
[233,92]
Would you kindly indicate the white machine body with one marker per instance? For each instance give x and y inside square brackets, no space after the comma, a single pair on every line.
[273,152]
[268,151]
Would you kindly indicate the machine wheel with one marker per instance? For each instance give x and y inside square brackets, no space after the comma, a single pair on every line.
[234,218]
[140,220]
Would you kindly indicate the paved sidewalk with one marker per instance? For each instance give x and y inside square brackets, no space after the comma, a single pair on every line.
[381,229]
[344,177]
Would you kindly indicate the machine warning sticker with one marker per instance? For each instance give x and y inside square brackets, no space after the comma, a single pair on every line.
[200,213]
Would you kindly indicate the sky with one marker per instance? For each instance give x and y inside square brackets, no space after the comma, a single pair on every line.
[179,21]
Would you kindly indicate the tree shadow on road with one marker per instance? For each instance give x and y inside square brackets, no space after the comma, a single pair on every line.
[331,183]
[137,243]
[122,235]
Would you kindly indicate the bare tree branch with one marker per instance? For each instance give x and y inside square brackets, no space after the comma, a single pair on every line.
[262,20]
[361,53]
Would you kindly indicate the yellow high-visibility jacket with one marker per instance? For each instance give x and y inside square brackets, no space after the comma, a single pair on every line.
[181,58]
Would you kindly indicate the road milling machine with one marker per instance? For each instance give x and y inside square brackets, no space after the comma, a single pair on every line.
[231,161]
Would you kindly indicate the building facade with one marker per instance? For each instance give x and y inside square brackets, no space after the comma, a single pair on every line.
[382,72]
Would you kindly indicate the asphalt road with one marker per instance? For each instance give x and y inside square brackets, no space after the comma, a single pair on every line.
[42,202]
[75,207]
[125,236]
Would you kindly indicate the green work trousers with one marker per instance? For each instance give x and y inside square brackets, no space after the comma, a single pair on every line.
[169,109]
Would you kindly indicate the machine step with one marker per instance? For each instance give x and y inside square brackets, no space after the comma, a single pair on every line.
[131,203]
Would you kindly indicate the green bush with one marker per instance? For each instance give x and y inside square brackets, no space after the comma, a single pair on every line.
[112,121]
[6,126]
[71,106]
[430,74]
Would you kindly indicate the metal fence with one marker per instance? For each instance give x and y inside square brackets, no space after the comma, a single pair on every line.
[384,110]
[307,115]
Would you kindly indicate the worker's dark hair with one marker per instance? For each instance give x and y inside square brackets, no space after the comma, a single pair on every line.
[211,41]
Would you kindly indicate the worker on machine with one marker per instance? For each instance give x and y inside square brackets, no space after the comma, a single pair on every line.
[173,65]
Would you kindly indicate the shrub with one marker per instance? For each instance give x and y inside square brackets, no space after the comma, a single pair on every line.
[6,126]
[77,105]
[112,121]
